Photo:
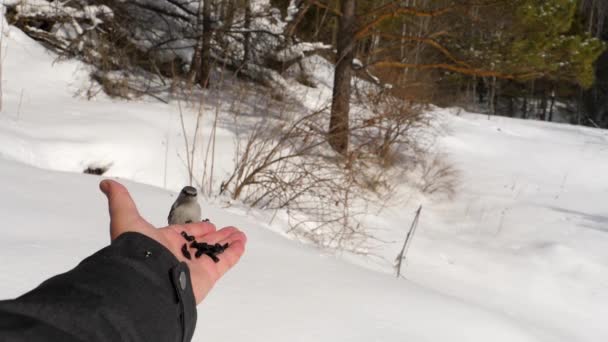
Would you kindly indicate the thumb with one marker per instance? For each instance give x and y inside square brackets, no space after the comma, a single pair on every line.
[123,212]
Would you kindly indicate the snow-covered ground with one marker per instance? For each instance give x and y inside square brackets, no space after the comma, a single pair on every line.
[518,254]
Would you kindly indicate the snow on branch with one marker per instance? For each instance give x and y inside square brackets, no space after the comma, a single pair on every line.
[299,50]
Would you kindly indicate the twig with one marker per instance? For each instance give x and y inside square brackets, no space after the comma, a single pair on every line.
[181,119]
[19,106]
[199,117]
[593,123]
[217,110]
[410,234]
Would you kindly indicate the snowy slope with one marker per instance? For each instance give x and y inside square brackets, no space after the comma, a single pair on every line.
[280,290]
[527,232]
[48,122]
[518,254]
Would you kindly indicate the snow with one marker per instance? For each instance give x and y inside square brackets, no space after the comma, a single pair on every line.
[530,221]
[280,290]
[69,133]
[517,254]
[33,8]
[298,51]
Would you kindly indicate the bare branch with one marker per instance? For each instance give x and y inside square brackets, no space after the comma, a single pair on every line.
[459,69]
[429,41]
[325,6]
[393,10]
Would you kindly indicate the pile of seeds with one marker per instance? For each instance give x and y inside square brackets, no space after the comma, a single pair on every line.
[202,248]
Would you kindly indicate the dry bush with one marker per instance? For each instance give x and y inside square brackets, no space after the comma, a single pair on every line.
[386,131]
[269,149]
[101,37]
[399,136]
[288,166]
[114,87]
[437,176]
[152,42]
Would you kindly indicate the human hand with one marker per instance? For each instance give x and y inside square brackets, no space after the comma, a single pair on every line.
[204,272]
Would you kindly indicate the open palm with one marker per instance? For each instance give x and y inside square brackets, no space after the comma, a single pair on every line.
[124,217]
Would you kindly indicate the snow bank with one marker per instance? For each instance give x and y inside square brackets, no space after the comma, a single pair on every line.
[48,122]
[519,254]
[280,290]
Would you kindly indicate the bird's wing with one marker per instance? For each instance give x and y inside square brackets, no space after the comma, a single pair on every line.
[171,212]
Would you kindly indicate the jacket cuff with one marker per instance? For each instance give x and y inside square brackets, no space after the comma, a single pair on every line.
[159,260]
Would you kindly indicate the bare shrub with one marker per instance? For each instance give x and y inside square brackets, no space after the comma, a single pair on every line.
[283,165]
[386,127]
[269,149]
[437,176]
[150,42]
[399,136]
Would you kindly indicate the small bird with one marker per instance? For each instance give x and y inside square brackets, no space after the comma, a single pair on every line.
[185,209]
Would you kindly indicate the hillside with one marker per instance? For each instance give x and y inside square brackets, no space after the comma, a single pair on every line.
[517,254]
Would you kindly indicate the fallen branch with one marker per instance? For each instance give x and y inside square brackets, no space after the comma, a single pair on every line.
[410,234]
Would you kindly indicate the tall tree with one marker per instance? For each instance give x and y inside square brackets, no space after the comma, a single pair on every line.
[205,64]
[595,15]
[247,35]
[522,40]
[340,107]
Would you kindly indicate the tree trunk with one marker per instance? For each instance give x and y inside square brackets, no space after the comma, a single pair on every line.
[247,44]
[492,97]
[228,11]
[206,45]
[340,106]
[290,28]
[474,91]
[495,85]
[533,99]
[552,105]
[195,63]
[543,105]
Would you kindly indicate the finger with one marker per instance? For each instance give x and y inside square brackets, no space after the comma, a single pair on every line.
[123,212]
[219,235]
[227,259]
[198,230]
[231,255]
[236,247]
[235,236]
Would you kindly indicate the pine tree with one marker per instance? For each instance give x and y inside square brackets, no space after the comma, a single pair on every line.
[517,40]
[536,39]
